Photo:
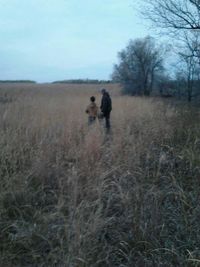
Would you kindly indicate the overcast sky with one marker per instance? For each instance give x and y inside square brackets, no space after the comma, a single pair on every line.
[47,40]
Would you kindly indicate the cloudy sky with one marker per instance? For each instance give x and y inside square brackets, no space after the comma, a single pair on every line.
[47,40]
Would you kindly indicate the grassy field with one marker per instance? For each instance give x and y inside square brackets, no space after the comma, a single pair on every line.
[73,196]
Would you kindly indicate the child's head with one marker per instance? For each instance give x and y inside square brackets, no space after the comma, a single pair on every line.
[92,99]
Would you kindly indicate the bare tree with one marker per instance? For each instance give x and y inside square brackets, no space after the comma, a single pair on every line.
[189,72]
[191,41]
[183,18]
[174,14]
[138,64]
[189,55]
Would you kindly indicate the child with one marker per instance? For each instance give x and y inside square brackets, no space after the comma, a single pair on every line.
[92,111]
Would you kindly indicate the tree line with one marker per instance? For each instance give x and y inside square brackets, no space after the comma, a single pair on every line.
[141,67]
[83,81]
[17,81]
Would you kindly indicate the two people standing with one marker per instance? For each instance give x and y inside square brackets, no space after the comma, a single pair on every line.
[105,109]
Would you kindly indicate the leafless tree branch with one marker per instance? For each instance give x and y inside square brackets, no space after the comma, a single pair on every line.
[174,14]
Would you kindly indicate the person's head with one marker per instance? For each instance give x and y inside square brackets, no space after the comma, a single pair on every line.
[92,99]
[103,91]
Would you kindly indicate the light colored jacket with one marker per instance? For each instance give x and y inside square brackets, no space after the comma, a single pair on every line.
[92,110]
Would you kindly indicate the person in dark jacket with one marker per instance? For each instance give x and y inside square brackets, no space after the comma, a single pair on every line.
[106,107]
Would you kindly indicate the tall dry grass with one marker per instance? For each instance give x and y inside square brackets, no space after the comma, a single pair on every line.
[71,195]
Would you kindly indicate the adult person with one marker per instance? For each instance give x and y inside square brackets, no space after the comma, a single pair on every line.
[106,107]
[92,111]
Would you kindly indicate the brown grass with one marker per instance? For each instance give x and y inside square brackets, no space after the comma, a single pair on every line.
[73,196]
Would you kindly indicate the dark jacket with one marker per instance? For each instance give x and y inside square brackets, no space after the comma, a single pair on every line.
[106,104]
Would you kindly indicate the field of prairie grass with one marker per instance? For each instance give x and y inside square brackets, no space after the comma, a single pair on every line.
[73,196]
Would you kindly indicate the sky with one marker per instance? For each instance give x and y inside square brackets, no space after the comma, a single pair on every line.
[49,40]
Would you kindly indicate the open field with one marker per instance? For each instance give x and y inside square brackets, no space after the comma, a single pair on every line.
[73,196]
